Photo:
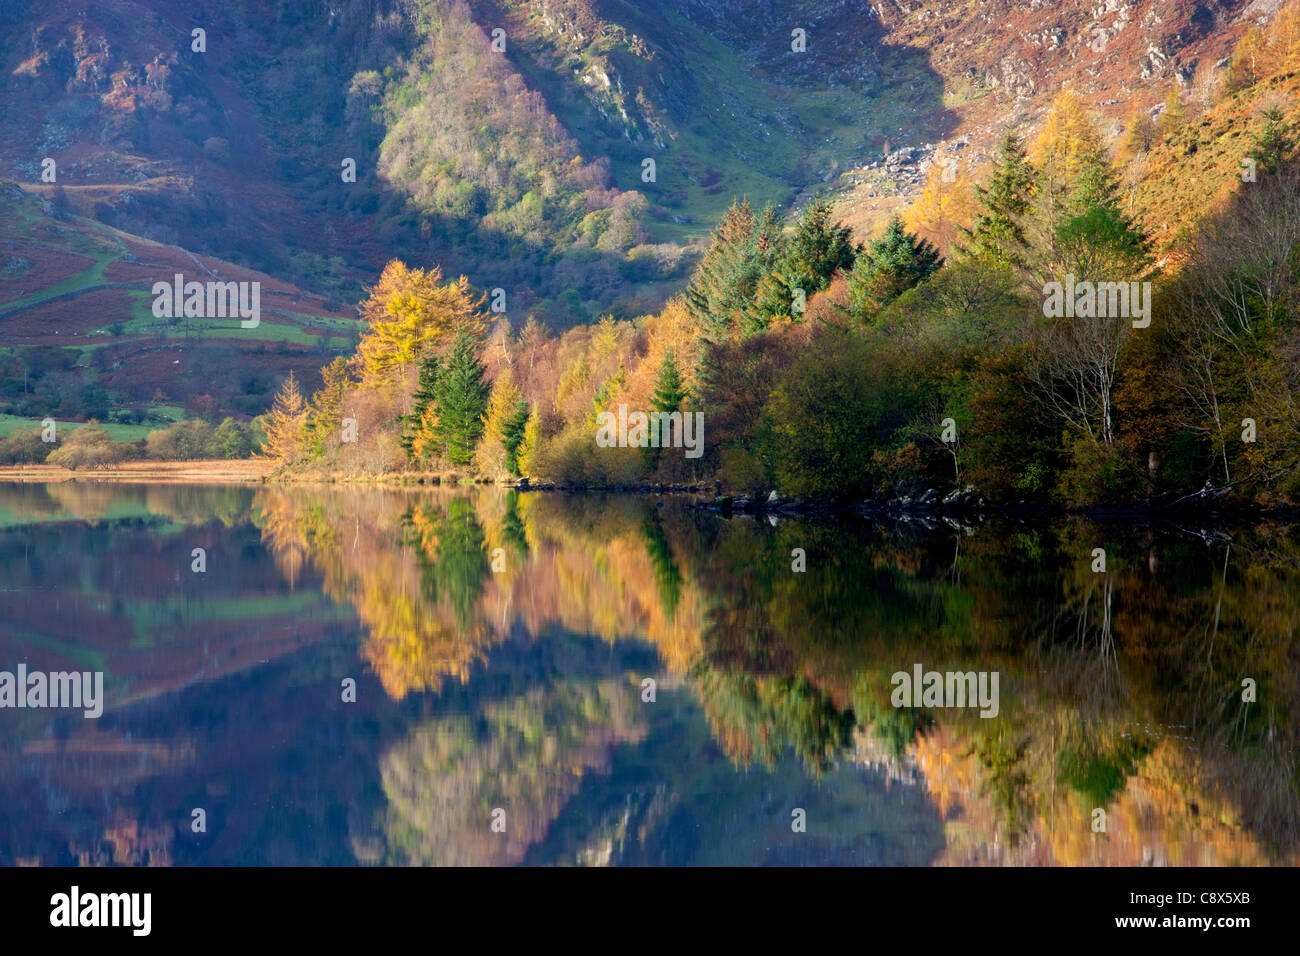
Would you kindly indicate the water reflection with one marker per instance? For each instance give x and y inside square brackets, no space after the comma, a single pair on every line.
[502,646]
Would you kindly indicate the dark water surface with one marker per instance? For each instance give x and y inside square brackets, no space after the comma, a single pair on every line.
[501,647]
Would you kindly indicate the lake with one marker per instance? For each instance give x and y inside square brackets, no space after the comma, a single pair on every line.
[329,675]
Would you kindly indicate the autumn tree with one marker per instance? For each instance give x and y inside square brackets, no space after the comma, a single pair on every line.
[410,312]
[285,422]
[503,427]
[946,206]
[325,415]
[89,447]
[528,445]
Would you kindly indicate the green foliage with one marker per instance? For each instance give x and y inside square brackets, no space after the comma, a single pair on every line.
[669,392]
[817,249]
[1274,144]
[461,396]
[826,416]
[887,268]
[742,250]
[997,233]
[424,394]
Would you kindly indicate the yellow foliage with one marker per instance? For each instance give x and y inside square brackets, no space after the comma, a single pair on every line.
[1067,139]
[409,311]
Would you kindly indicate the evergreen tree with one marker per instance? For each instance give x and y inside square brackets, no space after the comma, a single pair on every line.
[461,396]
[1096,240]
[669,392]
[742,249]
[1274,144]
[513,431]
[774,301]
[818,248]
[888,267]
[430,368]
[809,258]
[996,233]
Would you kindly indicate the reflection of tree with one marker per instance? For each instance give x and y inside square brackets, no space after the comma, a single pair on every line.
[449,545]
[760,717]
[792,661]
[668,578]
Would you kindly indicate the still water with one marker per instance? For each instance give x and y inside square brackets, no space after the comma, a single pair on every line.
[544,679]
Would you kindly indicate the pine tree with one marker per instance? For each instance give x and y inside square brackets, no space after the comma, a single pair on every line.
[461,396]
[817,250]
[1096,240]
[669,392]
[774,301]
[1274,144]
[997,233]
[742,249]
[888,267]
[512,436]
[284,422]
[430,369]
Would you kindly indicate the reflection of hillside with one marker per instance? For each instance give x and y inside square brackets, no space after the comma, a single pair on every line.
[525,755]
[785,661]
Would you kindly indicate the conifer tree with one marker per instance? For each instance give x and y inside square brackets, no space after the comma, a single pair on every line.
[284,422]
[742,249]
[461,396]
[818,248]
[430,369]
[997,233]
[1274,144]
[888,267]
[669,391]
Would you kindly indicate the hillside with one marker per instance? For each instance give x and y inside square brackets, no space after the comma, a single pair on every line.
[525,168]
[78,337]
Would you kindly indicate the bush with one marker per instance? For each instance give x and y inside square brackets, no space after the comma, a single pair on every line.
[833,407]
[1097,475]
[89,447]
[181,441]
[24,448]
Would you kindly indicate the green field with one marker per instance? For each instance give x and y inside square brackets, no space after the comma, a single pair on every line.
[11,423]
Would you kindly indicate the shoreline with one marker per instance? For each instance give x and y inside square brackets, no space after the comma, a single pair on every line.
[701,496]
[213,471]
